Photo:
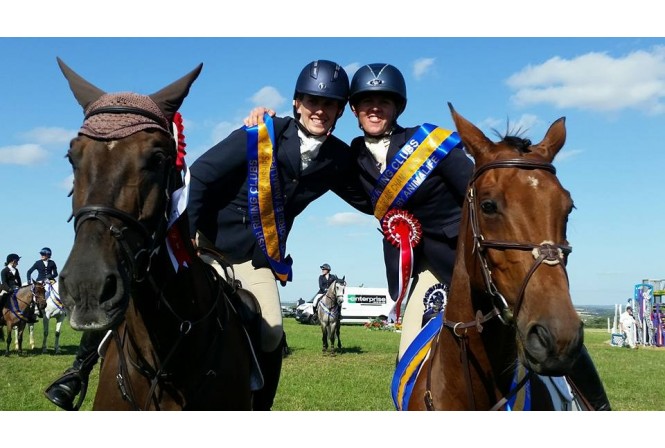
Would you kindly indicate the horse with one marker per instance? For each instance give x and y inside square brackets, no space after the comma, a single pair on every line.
[19,310]
[55,309]
[509,319]
[328,311]
[175,338]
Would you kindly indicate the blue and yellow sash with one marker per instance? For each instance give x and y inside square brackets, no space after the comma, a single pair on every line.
[265,200]
[411,362]
[410,167]
[409,365]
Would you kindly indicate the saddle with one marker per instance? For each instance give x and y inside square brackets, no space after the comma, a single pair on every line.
[243,302]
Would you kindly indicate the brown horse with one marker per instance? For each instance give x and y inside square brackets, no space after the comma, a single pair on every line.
[19,310]
[176,340]
[509,308]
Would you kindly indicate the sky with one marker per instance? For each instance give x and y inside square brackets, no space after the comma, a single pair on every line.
[611,91]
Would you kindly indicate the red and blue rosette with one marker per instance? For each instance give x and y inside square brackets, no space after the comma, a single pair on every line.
[403,231]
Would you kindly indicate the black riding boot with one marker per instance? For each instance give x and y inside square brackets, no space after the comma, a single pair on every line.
[63,391]
[271,366]
[586,378]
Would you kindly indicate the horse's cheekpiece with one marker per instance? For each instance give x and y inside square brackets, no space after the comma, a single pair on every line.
[398,224]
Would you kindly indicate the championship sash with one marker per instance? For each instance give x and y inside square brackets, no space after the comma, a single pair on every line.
[409,365]
[265,200]
[407,170]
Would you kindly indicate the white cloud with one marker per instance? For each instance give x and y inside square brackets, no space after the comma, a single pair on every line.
[523,126]
[67,183]
[222,130]
[49,136]
[348,219]
[28,154]
[567,154]
[596,81]
[269,97]
[422,66]
[351,69]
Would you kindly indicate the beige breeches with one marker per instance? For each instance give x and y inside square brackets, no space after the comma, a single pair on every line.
[260,282]
[413,314]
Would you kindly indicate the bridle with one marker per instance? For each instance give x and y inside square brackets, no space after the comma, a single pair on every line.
[547,252]
[137,246]
[136,264]
[333,297]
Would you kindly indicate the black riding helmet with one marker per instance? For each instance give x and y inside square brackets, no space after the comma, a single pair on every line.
[322,78]
[383,78]
[12,257]
[45,251]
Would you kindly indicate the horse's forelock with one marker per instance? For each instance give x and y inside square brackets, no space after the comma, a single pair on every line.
[519,143]
[121,124]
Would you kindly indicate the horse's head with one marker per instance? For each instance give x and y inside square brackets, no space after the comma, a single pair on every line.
[338,287]
[39,294]
[124,173]
[516,246]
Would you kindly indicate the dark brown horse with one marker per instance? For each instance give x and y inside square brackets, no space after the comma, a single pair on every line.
[176,340]
[509,305]
[19,310]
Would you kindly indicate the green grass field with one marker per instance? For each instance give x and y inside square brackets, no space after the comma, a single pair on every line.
[357,379]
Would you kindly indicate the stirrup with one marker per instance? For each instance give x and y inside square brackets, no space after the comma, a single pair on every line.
[70,374]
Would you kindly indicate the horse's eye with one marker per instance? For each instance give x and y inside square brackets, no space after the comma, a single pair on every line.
[488,206]
[156,160]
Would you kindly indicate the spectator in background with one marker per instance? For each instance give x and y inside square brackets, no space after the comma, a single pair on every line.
[628,326]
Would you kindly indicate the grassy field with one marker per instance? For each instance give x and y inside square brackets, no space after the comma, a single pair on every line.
[357,379]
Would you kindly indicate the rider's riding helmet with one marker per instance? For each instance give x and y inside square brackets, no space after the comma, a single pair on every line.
[379,78]
[325,266]
[12,257]
[322,78]
[45,251]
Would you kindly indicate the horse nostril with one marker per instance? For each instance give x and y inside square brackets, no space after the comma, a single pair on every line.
[538,341]
[110,288]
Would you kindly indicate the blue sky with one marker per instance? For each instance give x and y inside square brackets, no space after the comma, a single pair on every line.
[611,91]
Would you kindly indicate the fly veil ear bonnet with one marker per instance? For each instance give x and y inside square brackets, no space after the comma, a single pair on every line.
[113,116]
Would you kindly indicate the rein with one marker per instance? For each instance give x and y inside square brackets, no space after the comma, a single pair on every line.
[155,375]
[545,252]
[332,308]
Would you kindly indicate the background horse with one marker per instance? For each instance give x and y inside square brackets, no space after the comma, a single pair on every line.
[509,310]
[55,309]
[176,340]
[328,310]
[19,310]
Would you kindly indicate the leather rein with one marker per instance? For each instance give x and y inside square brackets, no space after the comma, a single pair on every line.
[546,252]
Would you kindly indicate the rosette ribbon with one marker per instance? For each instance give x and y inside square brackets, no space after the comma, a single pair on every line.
[403,231]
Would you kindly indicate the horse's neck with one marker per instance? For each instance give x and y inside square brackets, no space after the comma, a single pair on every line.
[494,345]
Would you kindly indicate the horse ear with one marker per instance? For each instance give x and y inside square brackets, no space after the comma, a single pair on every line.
[170,98]
[475,142]
[84,92]
[553,141]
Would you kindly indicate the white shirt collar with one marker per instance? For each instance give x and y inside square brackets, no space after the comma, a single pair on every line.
[309,148]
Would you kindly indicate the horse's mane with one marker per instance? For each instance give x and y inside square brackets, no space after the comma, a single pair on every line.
[514,138]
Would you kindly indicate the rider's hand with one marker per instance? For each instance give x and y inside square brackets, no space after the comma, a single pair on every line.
[256,116]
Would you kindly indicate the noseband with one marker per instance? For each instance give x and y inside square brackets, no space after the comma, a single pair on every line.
[546,252]
[137,263]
